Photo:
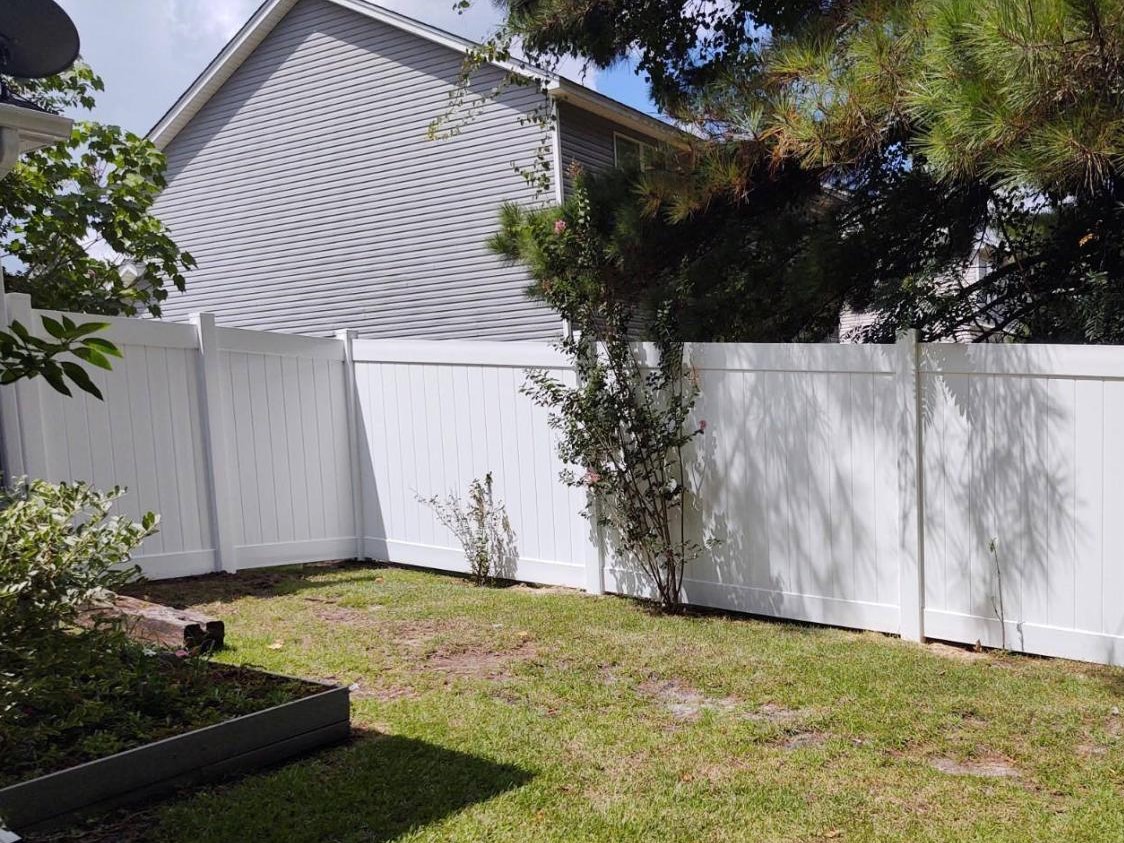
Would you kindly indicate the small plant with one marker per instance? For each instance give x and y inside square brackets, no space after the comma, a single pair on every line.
[60,552]
[482,527]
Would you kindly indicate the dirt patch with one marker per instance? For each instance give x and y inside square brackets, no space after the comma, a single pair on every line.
[542,590]
[683,701]
[416,635]
[990,767]
[480,663]
[344,615]
[777,715]
[1091,750]
[961,654]
[210,588]
[803,740]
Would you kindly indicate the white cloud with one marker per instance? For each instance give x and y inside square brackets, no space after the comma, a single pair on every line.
[209,20]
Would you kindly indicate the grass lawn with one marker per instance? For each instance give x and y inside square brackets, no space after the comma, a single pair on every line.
[520,714]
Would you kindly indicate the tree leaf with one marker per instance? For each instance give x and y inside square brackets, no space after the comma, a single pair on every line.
[103,345]
[92,356]
[54,328]
[80,378]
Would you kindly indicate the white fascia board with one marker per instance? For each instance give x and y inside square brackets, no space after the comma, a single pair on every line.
[36,128]
[623,115]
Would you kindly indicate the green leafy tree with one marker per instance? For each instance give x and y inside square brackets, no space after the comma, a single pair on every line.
[70,215]
[932,128]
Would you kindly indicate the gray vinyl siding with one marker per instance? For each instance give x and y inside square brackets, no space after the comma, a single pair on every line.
[312,200]
[588,140]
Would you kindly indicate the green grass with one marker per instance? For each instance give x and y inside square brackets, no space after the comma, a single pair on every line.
[523,715]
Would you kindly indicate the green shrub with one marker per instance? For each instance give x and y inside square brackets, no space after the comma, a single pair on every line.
[60,551]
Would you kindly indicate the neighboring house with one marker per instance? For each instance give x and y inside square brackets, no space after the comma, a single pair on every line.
[301,178]
[852,323]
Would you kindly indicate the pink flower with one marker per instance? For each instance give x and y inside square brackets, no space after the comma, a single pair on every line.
[702,426]
[182,654]
[591,477]
[559,226]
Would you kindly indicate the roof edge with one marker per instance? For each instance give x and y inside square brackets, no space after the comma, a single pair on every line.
[597,103]
[271,12]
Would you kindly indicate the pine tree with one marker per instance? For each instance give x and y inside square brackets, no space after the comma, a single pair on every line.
[929,128]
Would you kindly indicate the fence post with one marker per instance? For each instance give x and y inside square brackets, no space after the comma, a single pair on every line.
[11,458]
[214,441]
[347,337]
[25,440]
[910,488]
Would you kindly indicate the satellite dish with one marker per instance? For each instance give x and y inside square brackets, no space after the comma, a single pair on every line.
[37,38]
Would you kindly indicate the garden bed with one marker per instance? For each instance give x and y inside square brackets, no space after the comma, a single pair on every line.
[136,733]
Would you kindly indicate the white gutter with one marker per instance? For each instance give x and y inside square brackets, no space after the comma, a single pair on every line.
[589,100]
[27,129]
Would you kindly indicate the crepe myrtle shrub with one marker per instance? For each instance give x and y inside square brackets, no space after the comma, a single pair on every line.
[624,424]
[61,551]
[481,526]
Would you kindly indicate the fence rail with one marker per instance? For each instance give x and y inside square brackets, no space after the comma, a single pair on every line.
[897,488]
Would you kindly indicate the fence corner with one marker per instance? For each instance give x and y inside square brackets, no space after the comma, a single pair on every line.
[347,336]
[214,439]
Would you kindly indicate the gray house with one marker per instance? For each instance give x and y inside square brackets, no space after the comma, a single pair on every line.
[302,179]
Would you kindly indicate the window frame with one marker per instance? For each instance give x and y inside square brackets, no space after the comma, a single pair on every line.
[644,150]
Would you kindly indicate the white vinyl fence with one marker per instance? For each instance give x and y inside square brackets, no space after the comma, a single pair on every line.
[898,488]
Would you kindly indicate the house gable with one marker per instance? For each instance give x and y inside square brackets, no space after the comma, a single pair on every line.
[306,187]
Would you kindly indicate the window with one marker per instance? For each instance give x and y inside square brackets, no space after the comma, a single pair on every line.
[629,152]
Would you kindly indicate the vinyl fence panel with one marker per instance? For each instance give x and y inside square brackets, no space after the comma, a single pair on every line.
[436,416]
[1023,537]
[796,478]
[288,446]
[145,437]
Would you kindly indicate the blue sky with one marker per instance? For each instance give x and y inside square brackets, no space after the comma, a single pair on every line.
[149,51]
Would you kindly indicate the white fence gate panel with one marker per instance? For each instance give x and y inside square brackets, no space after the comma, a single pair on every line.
[288,446]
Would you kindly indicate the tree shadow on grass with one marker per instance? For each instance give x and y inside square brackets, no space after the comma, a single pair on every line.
[257,582]
[377,788]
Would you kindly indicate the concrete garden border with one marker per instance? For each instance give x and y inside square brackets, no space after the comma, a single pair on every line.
[239,745]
